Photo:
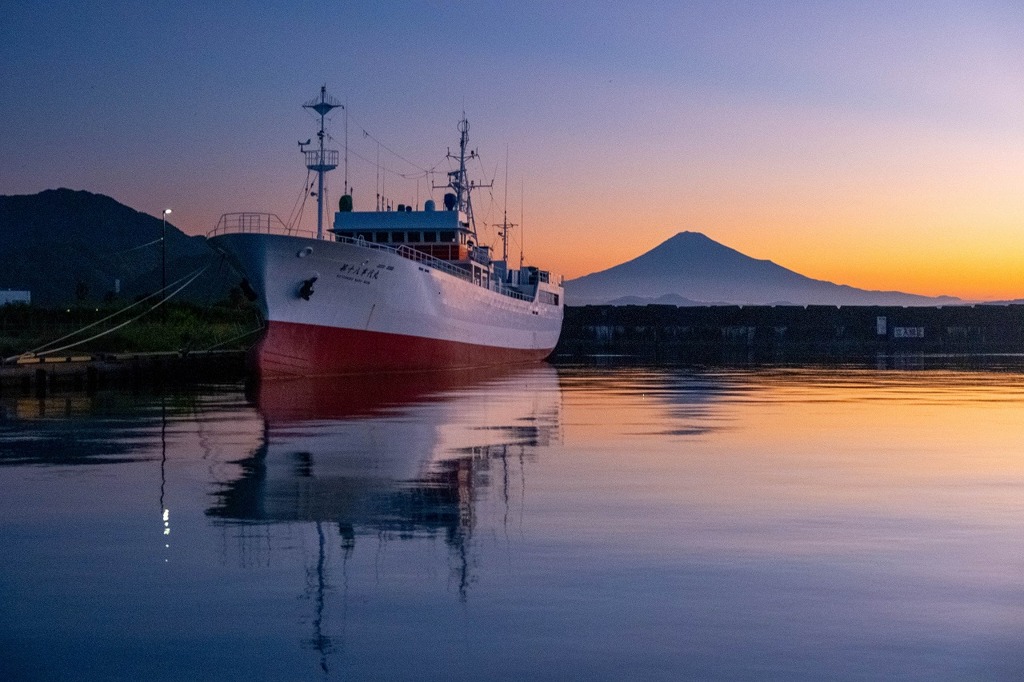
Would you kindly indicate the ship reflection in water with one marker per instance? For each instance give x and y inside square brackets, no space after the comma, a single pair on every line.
[393,455]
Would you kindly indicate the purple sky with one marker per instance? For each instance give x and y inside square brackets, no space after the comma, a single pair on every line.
[821,135]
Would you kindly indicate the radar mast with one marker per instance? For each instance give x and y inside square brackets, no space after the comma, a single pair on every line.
[320,160]
[457,179]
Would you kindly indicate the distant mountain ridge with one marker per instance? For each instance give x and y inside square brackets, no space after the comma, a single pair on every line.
[67,246]
[693,269]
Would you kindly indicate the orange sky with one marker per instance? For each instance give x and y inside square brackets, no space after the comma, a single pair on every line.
[872,144]
[928,208]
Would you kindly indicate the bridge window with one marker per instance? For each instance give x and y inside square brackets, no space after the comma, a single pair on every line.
[397,237]
[430,236]
[382,238]
[549,298]
[447,236]
[415,236]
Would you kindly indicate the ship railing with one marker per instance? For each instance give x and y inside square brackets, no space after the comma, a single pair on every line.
[418,256]
[413,255]
[512,293]
[315,160]
[255,223]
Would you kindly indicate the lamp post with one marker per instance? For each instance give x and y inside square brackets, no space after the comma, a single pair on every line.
[163,259]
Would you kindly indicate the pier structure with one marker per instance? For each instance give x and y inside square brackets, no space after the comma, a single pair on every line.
[661,333]
[88,372]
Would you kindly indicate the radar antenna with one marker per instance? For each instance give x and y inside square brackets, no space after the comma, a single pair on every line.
[457,180]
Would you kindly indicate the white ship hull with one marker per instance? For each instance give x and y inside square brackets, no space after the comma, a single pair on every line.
[368,308]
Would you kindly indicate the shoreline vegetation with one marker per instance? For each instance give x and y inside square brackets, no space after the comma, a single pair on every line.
[178,327]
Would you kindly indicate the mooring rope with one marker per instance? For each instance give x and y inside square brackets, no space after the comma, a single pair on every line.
[131,248]
[191,277]
[112,315]
[235,338]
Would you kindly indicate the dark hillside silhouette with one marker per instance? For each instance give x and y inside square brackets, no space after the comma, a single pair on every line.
[67,246]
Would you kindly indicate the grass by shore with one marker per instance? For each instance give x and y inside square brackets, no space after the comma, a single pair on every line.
[181,327]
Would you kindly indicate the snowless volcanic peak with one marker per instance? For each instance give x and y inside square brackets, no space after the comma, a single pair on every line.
[694,267]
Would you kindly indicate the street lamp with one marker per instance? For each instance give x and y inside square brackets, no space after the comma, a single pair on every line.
[163,259]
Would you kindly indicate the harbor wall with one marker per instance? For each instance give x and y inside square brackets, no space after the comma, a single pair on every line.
[92,372]
[661,333]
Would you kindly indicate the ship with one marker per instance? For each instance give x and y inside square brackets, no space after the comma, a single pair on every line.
[396,288]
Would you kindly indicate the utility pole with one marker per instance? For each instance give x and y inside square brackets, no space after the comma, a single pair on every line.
[163,262]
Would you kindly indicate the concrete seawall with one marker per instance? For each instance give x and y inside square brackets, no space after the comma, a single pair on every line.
[787,333]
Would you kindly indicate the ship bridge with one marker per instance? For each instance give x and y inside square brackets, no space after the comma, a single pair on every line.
[441,234]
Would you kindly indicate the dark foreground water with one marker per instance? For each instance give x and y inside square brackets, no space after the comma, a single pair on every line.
[545,524]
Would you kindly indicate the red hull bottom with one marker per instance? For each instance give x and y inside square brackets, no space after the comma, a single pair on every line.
[290,349]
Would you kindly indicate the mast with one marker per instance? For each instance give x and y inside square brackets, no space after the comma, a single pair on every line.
[457,180]
[320,160]
[505,224]
[347,189]
[522,220]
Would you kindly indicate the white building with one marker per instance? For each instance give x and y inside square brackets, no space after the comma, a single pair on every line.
[10,296]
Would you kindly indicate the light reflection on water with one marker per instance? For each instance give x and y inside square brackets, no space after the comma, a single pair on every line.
[581,522]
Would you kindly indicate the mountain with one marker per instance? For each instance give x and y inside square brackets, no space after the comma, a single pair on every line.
[67,246]
[693,267]
[664,299]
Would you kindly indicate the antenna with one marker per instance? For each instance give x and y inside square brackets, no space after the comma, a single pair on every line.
[348,190]
[457,179]
[522,234]
[321,160]
[505,224]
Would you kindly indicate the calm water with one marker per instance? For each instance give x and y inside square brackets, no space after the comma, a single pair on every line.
[545,524]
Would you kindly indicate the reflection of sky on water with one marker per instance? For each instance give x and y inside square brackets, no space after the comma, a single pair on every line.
[705,523]
[66,431]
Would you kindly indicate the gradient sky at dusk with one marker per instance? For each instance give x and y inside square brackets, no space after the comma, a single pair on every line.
[876,144]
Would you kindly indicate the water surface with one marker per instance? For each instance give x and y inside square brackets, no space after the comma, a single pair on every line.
[800,523]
